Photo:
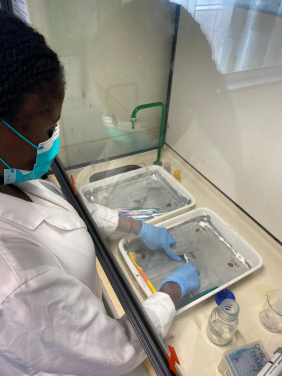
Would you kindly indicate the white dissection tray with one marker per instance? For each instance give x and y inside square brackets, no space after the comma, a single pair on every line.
[147,187]
[221,254]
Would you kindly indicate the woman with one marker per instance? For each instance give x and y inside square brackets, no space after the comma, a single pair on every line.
[52,319]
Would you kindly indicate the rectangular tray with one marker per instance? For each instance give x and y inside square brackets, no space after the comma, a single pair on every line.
[147,187]
[213,246]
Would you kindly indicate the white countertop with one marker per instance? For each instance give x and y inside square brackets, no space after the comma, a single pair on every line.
[197,355]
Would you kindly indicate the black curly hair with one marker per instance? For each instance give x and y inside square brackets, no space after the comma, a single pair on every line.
[27,65]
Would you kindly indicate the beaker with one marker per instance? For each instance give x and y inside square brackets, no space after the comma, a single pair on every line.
[271,314]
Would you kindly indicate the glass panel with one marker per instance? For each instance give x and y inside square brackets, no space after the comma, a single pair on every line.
[227,125]
[116,56]
[210,74]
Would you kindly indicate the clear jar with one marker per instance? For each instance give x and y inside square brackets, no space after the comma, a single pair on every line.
[271,315]
[223,322]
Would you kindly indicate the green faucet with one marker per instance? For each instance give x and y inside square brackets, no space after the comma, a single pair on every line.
[133,120]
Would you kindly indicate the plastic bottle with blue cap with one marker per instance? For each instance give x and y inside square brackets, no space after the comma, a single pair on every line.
[224,294]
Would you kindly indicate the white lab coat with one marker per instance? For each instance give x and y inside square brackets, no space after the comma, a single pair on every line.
[52,321]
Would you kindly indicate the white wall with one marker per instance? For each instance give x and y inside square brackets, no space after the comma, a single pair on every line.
[117,55]
[233,137]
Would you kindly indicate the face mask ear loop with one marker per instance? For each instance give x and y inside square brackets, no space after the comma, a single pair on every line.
[36,147]
[6,164]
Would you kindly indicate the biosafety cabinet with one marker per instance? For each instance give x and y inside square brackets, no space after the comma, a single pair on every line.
[172,114]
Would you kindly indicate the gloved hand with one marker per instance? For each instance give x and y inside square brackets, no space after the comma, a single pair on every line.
[187,277]
[157,238]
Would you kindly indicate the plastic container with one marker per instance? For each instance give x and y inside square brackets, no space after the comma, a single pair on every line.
[223,322]
[167,167]
[167,178]
[247,360]
[176,175]
[230,234]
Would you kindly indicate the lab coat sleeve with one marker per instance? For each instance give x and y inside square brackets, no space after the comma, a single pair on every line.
[105,218]
[54,324]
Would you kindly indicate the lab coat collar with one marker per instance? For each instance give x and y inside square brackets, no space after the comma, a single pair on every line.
[21,212]
[38,189]
[30,215]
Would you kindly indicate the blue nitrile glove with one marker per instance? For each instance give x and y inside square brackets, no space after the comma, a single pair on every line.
[187,277]
[157,238]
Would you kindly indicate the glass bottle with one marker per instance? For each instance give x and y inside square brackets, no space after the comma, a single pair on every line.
[223,322]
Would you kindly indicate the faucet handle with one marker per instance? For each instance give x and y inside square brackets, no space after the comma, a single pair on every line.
[133,120]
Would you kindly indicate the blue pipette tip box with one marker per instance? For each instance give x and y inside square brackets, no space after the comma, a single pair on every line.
[246,360]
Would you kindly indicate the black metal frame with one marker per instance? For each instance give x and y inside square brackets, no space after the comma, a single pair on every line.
[152,344]
[172,58]
[7,6]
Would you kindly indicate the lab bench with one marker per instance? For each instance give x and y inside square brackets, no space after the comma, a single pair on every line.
[197,355]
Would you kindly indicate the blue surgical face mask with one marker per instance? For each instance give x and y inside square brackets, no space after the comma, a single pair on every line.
[46,152]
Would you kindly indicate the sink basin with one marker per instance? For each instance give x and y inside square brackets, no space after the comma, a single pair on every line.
[113,172]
